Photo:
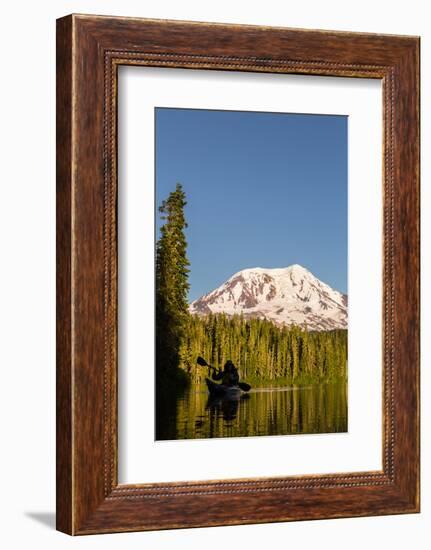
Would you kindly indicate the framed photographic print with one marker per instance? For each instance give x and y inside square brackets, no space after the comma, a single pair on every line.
[237,274]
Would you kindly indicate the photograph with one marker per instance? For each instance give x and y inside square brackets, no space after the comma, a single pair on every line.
[212,221]
[251,270]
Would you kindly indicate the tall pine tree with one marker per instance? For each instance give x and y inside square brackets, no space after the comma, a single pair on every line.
[172,268]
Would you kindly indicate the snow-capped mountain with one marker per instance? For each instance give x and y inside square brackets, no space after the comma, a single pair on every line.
[289,296]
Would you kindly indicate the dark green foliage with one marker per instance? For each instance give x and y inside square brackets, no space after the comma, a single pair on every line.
[172,268]
[264,352]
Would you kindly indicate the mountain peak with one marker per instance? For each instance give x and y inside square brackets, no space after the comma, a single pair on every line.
[276,271]
[286,296]
[298,268]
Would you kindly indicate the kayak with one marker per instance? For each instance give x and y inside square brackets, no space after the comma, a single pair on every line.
[220,390]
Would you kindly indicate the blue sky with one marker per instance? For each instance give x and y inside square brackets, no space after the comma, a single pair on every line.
[263,190]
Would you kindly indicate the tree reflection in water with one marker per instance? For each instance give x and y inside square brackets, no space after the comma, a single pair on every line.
[266,411]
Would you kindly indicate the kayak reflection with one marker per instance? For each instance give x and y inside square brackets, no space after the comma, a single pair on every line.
[226,406]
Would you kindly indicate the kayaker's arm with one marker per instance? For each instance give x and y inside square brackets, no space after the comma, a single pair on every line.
[217,374]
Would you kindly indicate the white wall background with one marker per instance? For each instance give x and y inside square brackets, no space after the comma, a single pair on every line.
[27,289]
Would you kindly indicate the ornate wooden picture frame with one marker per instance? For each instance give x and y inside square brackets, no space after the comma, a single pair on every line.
[89,51]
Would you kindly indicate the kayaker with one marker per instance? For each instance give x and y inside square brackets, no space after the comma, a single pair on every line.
[229,375]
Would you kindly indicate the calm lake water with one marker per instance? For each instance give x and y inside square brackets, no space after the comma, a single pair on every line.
[266,411]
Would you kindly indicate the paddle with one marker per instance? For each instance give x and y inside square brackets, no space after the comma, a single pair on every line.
[201,361]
